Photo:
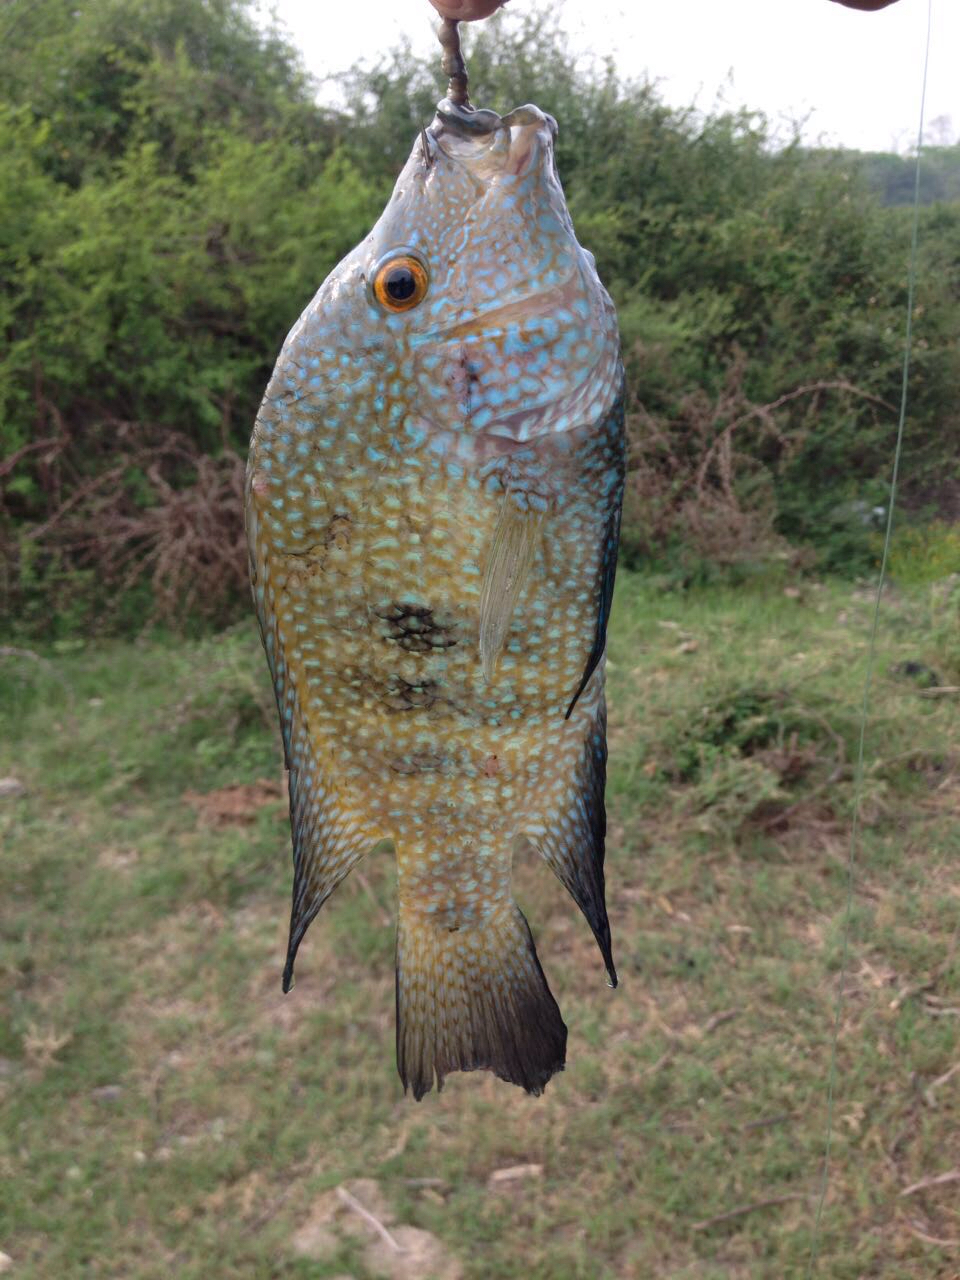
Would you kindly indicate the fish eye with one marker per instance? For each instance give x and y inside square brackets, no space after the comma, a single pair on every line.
[400,283]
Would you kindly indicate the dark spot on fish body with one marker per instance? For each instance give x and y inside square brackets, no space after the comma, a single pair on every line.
[415,628]
[404,695]
[419,762]
[338,533]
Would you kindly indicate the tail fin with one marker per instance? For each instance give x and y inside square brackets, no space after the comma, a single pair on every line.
[474,999]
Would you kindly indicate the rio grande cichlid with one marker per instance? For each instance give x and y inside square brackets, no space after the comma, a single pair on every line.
[433,510]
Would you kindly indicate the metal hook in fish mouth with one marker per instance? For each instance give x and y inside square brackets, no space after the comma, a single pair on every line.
[455,111]
[470,122]
[465,120]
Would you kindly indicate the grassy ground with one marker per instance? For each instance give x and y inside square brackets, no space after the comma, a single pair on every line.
[167,1112]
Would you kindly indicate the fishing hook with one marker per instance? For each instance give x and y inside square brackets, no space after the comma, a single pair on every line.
[425,148]
[453,63]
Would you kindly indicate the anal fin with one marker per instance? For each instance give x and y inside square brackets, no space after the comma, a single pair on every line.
[328,840]
[329,837]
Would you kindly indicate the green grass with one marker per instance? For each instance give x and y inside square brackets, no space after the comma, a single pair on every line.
[166,1111]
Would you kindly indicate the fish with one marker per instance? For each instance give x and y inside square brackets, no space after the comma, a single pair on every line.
[433,499]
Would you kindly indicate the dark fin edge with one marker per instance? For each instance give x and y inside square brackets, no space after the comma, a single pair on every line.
[607,577]
[298,929]
[325,848]
[577,857]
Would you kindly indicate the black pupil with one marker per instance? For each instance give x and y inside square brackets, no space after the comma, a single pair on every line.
[401,284]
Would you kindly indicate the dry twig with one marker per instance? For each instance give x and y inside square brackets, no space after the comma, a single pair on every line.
[9,651]
[164,512]
[370,1219]
[718,1019]
[938,1180]
[742,1209]
[934,1085]
[928,1239]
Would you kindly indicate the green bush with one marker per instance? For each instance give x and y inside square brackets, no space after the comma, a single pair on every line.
[171,195]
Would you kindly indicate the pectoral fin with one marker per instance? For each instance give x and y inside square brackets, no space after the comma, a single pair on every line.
[510,559]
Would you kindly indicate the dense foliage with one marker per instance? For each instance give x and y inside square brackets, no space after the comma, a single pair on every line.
[171,195]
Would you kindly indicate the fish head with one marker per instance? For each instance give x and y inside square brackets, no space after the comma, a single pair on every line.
[470,315]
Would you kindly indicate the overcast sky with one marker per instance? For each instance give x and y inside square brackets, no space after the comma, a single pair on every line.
[854,77]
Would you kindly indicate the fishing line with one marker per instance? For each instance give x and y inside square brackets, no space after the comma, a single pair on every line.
[871,655]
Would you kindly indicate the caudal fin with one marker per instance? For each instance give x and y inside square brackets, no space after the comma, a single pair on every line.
[473,999]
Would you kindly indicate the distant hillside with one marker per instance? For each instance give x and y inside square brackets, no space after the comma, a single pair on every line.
[892,177]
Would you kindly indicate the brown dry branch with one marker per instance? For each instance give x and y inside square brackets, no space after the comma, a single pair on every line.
[7,464]
[742,1209]
[47,455]
[934,1085]
[164,513]
[352,1203]
[707,477]
[938,1180]
[938,1241]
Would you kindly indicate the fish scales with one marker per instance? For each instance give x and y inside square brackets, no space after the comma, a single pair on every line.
[433,502]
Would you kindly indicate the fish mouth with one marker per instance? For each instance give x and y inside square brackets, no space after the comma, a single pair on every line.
[470,122]
[507,143]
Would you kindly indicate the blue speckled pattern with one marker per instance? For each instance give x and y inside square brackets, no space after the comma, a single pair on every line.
[416,477]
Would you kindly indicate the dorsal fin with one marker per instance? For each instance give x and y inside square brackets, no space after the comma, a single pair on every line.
[606,574]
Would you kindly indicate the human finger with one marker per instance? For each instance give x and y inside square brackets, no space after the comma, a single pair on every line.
[466,10]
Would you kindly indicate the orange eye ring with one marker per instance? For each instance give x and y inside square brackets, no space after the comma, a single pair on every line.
[400,283]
